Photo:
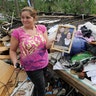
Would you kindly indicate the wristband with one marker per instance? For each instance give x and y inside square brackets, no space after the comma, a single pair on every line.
[17,65]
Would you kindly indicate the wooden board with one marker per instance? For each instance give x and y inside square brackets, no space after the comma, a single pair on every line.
[93,42]
[22,76]
[9,78]
[6,38]
[6,71]
[2,57]
[3,48]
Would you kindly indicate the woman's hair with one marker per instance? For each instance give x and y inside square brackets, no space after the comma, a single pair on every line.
[31,10]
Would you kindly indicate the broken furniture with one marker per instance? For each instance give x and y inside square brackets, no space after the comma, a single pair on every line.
[84,86]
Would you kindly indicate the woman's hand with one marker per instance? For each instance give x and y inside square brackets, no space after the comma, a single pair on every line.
[49,44]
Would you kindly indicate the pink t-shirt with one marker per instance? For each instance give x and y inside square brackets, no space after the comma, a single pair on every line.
[33,52]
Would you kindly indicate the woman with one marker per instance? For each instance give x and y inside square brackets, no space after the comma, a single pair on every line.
[67,40]
[33,43]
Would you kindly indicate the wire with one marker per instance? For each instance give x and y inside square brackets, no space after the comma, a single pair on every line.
[5,86]
[70,92]
[9,80]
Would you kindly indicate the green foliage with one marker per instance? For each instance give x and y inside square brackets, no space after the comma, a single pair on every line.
[9,6]
[65,6]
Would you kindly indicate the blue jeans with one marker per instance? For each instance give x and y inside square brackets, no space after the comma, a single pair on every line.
[37,77]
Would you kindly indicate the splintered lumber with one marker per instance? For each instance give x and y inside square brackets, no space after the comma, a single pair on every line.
[22,76]
[6,71]
[3,48]
[9,78]
[94,42]
[2,57]
[50,16]
[5,38]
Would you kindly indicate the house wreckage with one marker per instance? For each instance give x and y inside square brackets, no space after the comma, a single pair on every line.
[16,83]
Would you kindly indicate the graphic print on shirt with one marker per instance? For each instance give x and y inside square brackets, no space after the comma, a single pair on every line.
[30,44]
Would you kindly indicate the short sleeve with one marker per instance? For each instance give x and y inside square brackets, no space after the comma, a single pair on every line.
[42,28]
[15,33]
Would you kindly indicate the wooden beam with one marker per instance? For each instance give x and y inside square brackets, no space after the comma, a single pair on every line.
[2,57]
[3,48]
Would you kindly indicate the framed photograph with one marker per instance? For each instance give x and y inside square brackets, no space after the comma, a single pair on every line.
[64,38]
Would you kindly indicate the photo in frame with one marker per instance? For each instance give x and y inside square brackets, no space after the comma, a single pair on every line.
[64,38]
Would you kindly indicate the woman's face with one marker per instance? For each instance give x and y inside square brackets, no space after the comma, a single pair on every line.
[68,35]
[27,19]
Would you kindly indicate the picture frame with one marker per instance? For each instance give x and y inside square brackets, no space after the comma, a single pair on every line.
[64,38]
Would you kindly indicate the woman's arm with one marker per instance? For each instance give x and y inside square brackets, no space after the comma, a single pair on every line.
[13,48]
[48,42]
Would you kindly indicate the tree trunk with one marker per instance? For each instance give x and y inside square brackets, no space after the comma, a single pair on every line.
[17,7]
[4,5]
[32,3]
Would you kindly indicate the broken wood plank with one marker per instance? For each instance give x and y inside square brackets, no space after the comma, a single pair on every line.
[7,71]
[5,38]
[50,16]
[2,57]
[3,48]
